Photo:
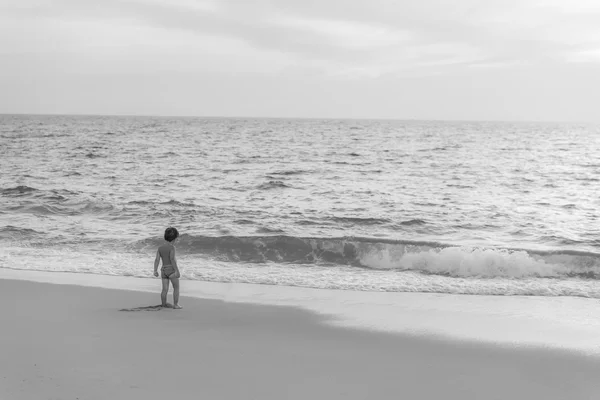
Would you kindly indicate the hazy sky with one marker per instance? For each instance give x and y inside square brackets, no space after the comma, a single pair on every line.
[424,59]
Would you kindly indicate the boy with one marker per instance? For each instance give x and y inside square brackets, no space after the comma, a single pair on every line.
[169,270]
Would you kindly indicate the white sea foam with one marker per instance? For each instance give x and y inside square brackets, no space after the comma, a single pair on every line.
[289,274]
[467,262]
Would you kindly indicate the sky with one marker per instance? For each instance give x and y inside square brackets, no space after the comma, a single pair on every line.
[535,60]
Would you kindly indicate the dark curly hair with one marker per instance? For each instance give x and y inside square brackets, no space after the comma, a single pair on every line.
[171,234]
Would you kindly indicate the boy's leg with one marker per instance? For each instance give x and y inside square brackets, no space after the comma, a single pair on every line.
[175,292]
[163,294]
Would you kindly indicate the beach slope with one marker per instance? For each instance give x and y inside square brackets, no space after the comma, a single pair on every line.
[74,342]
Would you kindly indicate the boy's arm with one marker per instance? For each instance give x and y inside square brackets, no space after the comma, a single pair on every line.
[174,262]
[156,262]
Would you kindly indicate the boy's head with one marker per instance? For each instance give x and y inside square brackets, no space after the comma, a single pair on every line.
[171,234]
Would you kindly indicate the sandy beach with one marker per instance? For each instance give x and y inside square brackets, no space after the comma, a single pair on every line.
[75,342]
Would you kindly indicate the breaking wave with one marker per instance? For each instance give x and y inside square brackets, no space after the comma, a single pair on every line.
[422,257]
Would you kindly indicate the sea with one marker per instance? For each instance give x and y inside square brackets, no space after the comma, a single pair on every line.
[473,208]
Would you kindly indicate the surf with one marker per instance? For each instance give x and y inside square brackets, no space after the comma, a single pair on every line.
[430,258]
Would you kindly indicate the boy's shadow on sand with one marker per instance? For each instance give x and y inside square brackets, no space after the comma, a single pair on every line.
[147,308]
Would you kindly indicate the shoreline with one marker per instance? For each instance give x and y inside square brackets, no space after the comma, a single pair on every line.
[74,341]
[567,323]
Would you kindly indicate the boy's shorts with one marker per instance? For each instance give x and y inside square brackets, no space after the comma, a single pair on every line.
[166,272]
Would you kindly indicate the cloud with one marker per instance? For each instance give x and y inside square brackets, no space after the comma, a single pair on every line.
[348,38]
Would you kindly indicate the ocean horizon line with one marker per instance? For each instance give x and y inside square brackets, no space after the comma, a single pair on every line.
[278,118]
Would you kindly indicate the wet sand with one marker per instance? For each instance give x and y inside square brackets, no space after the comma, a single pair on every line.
[74,342]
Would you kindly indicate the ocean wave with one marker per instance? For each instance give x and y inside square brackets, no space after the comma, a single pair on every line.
[419,256]
[65,209]
[413,222]
[266,229]
[193,267]
[53,202]
[18,190]
[177,203]
[94,155]
[289,172]
[244,222]
[360,221]
[13,232]
[272,185]
[37,193]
